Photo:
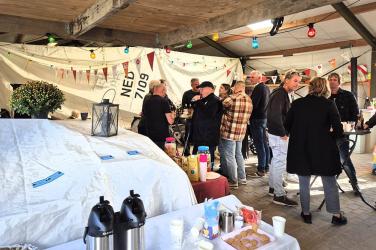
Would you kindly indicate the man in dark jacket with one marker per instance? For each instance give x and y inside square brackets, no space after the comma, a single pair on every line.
[371,122]
[260,98]
[206,120]
[187,104]
[278,106]
[348,111]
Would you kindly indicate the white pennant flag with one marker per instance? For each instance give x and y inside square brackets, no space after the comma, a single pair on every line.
[114,72]
[274,79]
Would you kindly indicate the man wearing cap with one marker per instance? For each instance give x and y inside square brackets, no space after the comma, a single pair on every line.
[237,109]
[206,119]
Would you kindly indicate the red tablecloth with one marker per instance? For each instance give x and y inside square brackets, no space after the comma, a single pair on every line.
[211,189]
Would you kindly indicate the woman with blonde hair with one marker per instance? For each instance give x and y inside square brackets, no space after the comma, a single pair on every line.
[313,124]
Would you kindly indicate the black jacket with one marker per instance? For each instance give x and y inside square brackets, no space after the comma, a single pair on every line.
[372,121]
[206,121]
[260,98]
[346,105]
[186,101]
[277,108]
[312,146]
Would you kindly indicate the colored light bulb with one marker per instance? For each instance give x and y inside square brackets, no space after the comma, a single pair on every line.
[255,43]
[215,37]
[126,50]
[92,54]
[189,44]
[311,31]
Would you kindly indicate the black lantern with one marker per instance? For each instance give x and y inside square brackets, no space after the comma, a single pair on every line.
[105,118]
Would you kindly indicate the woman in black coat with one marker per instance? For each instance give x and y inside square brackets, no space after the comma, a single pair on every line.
[313,124]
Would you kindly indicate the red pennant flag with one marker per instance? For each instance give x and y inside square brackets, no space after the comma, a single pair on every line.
[151,59]
[105,73]
[228,72]
[88,75]
[125,67]
[74,73]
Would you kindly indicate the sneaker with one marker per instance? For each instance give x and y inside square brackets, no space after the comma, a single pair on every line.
[271,192]
[307,218]
[284,200]
[243,181]
[339,221]
[233,185]
[292,178]
[258,174]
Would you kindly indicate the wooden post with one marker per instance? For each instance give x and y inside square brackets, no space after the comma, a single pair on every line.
[373,74]
[354,76]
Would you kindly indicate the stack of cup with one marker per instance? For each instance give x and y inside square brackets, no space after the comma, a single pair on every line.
[176,232]
[279,226]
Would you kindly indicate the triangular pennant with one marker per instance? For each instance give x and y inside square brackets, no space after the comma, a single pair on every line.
[151,59]
[125,67]
[333,63]
[95,76]
[88,75]
[105,73]
[114,72]
[274,79]
[74,73]
[56,73]
[79,75]
[67,72]
[138,64]
[228,72]
[62,73]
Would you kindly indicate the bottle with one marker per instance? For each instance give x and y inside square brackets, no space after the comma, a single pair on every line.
[367,103]
[205,150]
[170,147]
[203,162]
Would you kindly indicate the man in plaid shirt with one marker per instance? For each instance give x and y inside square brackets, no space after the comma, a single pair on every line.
[237,110]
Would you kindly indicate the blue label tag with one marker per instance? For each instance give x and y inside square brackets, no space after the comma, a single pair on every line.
[133,152]
[50,178]
[106,157]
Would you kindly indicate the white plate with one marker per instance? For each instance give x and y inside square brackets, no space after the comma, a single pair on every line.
[236,232]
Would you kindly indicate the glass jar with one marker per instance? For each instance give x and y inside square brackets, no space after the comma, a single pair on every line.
[170,147]
[205,150]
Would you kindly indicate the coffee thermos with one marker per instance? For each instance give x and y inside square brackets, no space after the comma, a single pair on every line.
[123,230]
[129,224]
[99,231]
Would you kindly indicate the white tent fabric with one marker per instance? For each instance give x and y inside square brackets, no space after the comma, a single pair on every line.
[57,212]
[84,80]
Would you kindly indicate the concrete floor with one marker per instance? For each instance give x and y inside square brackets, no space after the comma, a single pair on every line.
[359,233]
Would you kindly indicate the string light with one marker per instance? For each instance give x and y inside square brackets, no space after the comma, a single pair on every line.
[51,40]
[126,50]
[168,49]
[189,44]
[255,43]
[311,30]
[92,54]
[215,37]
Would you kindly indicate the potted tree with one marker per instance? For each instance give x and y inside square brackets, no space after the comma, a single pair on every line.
[37,99]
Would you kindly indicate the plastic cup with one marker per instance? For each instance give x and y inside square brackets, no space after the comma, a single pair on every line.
[176,231]
[279,225]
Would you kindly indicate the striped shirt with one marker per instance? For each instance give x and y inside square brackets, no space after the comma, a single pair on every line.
[237,110]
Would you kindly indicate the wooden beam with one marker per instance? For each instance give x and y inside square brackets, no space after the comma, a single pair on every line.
[289,52]
[218,47]
[300,22]
[30,26]
[96,14]
[261,10]
[355,23]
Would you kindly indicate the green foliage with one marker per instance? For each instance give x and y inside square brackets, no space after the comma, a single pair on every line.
[36,97]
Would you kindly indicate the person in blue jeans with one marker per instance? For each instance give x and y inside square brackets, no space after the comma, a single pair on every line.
[348,111]
[260,99]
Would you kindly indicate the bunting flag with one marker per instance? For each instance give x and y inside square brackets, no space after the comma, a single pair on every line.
[95,76]
[62,73]
[228,72]
[151,59]
[67,72]
[114,72]
[74,74]
[125,67]
[138,64]
[56,73]
[105,73]
[333,63]
[274,79]
[88,75]
[79,75]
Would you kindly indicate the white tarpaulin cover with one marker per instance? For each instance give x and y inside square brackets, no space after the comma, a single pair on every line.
[84,80]
[57,212]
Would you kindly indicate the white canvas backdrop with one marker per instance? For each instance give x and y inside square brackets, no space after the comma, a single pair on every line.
[83,79]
